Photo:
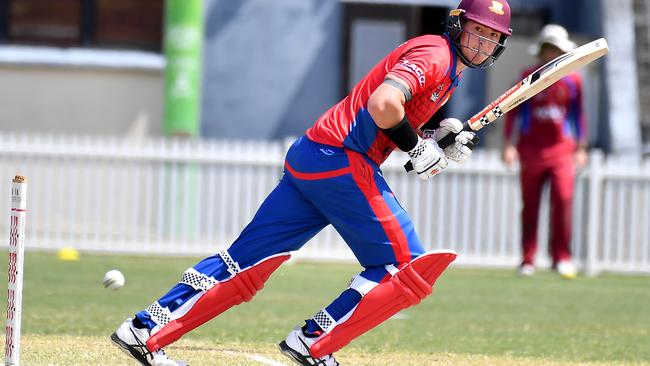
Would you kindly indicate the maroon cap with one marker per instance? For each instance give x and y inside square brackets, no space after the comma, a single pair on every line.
[490,13]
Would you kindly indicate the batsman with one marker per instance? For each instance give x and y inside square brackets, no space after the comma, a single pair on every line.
[332,176]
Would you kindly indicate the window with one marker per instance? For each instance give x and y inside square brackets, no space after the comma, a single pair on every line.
[371,31]
[132,24]
[44,22]
[129,24]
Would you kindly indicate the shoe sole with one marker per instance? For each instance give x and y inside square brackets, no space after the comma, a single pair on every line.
[293,355]
[128,350]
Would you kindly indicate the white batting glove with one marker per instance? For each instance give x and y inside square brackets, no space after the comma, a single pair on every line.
[427,158]
[459,151]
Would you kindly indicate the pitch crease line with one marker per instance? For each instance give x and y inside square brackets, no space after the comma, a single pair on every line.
[258,358]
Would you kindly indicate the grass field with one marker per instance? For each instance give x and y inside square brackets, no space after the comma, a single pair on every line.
[475,317]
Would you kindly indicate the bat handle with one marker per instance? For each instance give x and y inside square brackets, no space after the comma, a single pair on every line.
[443,143]
[447,140]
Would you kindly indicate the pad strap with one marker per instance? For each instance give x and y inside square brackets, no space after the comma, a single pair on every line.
[233,267]
[198,280]
[161,316]
[362,285]
[324,320]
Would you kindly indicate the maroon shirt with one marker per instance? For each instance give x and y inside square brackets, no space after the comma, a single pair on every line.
[552,123]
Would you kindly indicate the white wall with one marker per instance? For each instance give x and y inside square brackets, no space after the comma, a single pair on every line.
[57,91]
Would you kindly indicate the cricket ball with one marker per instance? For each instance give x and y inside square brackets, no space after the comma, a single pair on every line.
[113,279]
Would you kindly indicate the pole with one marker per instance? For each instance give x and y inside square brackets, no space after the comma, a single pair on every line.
[183,51]
[15,270]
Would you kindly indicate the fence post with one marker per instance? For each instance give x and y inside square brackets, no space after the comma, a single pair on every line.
[595,176]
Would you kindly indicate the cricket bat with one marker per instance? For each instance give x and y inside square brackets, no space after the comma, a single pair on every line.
[532,84]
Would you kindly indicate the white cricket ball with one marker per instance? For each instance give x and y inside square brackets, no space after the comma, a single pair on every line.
[113,279]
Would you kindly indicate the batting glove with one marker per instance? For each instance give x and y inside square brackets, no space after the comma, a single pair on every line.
[460,150]
[427,158]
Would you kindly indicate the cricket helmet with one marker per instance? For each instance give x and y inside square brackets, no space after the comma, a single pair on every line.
[489,13]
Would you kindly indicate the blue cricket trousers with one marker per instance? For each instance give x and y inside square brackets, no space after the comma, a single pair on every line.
[322,185]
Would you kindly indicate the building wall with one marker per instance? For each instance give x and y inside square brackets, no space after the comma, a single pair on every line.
[270,67]
[80,100]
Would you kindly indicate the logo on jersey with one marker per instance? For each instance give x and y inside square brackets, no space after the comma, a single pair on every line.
[496,8]
[327,151]
[415,69]
[550,113]
[436,95]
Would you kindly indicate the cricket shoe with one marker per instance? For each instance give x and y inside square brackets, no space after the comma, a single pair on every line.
[133,341]
[296,347]
[526,270]
[566,269]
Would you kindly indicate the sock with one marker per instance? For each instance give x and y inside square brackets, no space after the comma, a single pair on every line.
[311,328]
[138,323]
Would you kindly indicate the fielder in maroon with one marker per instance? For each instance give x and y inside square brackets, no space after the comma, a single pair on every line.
[551,142]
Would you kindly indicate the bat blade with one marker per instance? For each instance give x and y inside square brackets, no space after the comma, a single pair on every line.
[539,80]
[531,85]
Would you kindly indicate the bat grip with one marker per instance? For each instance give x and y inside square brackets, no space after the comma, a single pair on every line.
[443,143]
[447,140]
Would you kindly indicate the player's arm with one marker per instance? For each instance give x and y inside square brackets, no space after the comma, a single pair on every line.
[386,104]
[581,155]
[386,107]
[509,155]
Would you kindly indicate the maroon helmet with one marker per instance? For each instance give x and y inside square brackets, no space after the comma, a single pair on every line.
[494,14]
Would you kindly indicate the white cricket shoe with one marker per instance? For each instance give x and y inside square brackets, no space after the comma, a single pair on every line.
[526,270]
[133,340]
[296,347]
[566,269]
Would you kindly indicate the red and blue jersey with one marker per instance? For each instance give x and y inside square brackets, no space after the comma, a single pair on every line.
[552,123]
[426,63]
[332,177]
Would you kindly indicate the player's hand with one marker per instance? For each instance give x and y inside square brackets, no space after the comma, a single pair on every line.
[427,158]
[581,157]
[510,155]
[461,149]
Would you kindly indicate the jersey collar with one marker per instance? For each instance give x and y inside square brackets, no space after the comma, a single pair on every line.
[454,60]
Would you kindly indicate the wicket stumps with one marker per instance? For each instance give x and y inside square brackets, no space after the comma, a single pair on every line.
[15,269]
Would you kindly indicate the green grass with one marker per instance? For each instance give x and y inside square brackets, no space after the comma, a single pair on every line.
[477,317]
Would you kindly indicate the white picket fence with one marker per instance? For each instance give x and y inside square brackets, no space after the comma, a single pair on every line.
[160,196]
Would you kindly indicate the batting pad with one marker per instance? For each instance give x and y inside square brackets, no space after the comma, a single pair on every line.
[219,298]
[406,288]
